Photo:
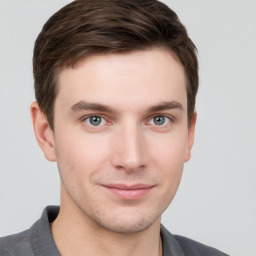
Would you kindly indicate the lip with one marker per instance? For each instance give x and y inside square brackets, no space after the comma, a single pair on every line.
[130,192]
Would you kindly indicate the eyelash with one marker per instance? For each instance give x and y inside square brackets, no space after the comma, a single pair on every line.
[106,122]
[166,119]
[87,118]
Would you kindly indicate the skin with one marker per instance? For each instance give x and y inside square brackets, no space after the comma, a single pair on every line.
[140,136]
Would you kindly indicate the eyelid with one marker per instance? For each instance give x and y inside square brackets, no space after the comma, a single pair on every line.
[148,119]
[91,115]
[171,117]
[165,117]
[85,117]
[102,121]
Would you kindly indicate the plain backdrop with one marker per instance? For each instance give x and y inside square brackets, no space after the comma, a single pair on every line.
[216,201]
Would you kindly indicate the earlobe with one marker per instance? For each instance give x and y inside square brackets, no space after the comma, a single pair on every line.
[43,132]
[191,135]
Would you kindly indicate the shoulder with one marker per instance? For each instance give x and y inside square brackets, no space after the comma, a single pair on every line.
[191,247]
[36,240]
[16,244]
[179,245]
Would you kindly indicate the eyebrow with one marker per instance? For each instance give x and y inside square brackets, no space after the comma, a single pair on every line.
[165,106]
[85,106]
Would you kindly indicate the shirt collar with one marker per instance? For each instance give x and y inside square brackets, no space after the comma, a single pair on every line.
[43,243]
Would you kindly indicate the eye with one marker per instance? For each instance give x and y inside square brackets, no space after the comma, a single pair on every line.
[160,120]
[95,121]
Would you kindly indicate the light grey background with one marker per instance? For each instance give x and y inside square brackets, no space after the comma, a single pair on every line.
[216,200]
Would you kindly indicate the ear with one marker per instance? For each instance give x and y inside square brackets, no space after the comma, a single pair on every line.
[44,134]
[191,135]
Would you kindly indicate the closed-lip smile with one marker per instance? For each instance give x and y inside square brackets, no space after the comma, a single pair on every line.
[130,192]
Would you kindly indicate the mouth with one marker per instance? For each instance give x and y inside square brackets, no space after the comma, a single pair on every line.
[129,192]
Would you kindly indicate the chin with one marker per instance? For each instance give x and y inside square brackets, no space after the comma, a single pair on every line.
[127,224]
[127,228]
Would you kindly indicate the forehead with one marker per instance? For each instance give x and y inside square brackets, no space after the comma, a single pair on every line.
[148,76]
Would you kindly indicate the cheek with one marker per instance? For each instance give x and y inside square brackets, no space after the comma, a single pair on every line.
[169,150]
[80,154]
[168,156]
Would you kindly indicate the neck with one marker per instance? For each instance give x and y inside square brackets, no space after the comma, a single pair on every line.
[76,234]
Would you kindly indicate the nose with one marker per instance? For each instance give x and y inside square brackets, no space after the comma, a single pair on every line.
[128,152]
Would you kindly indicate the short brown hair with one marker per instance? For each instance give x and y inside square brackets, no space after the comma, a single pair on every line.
[87,27]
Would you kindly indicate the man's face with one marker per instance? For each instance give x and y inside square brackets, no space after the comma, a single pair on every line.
[121,137]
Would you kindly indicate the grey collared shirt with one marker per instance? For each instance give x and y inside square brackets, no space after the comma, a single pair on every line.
[38,241]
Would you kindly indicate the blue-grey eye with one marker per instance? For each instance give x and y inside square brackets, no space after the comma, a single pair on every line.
[95,121]
[160,120]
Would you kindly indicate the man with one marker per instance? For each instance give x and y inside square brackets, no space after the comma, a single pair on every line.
[115,84]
